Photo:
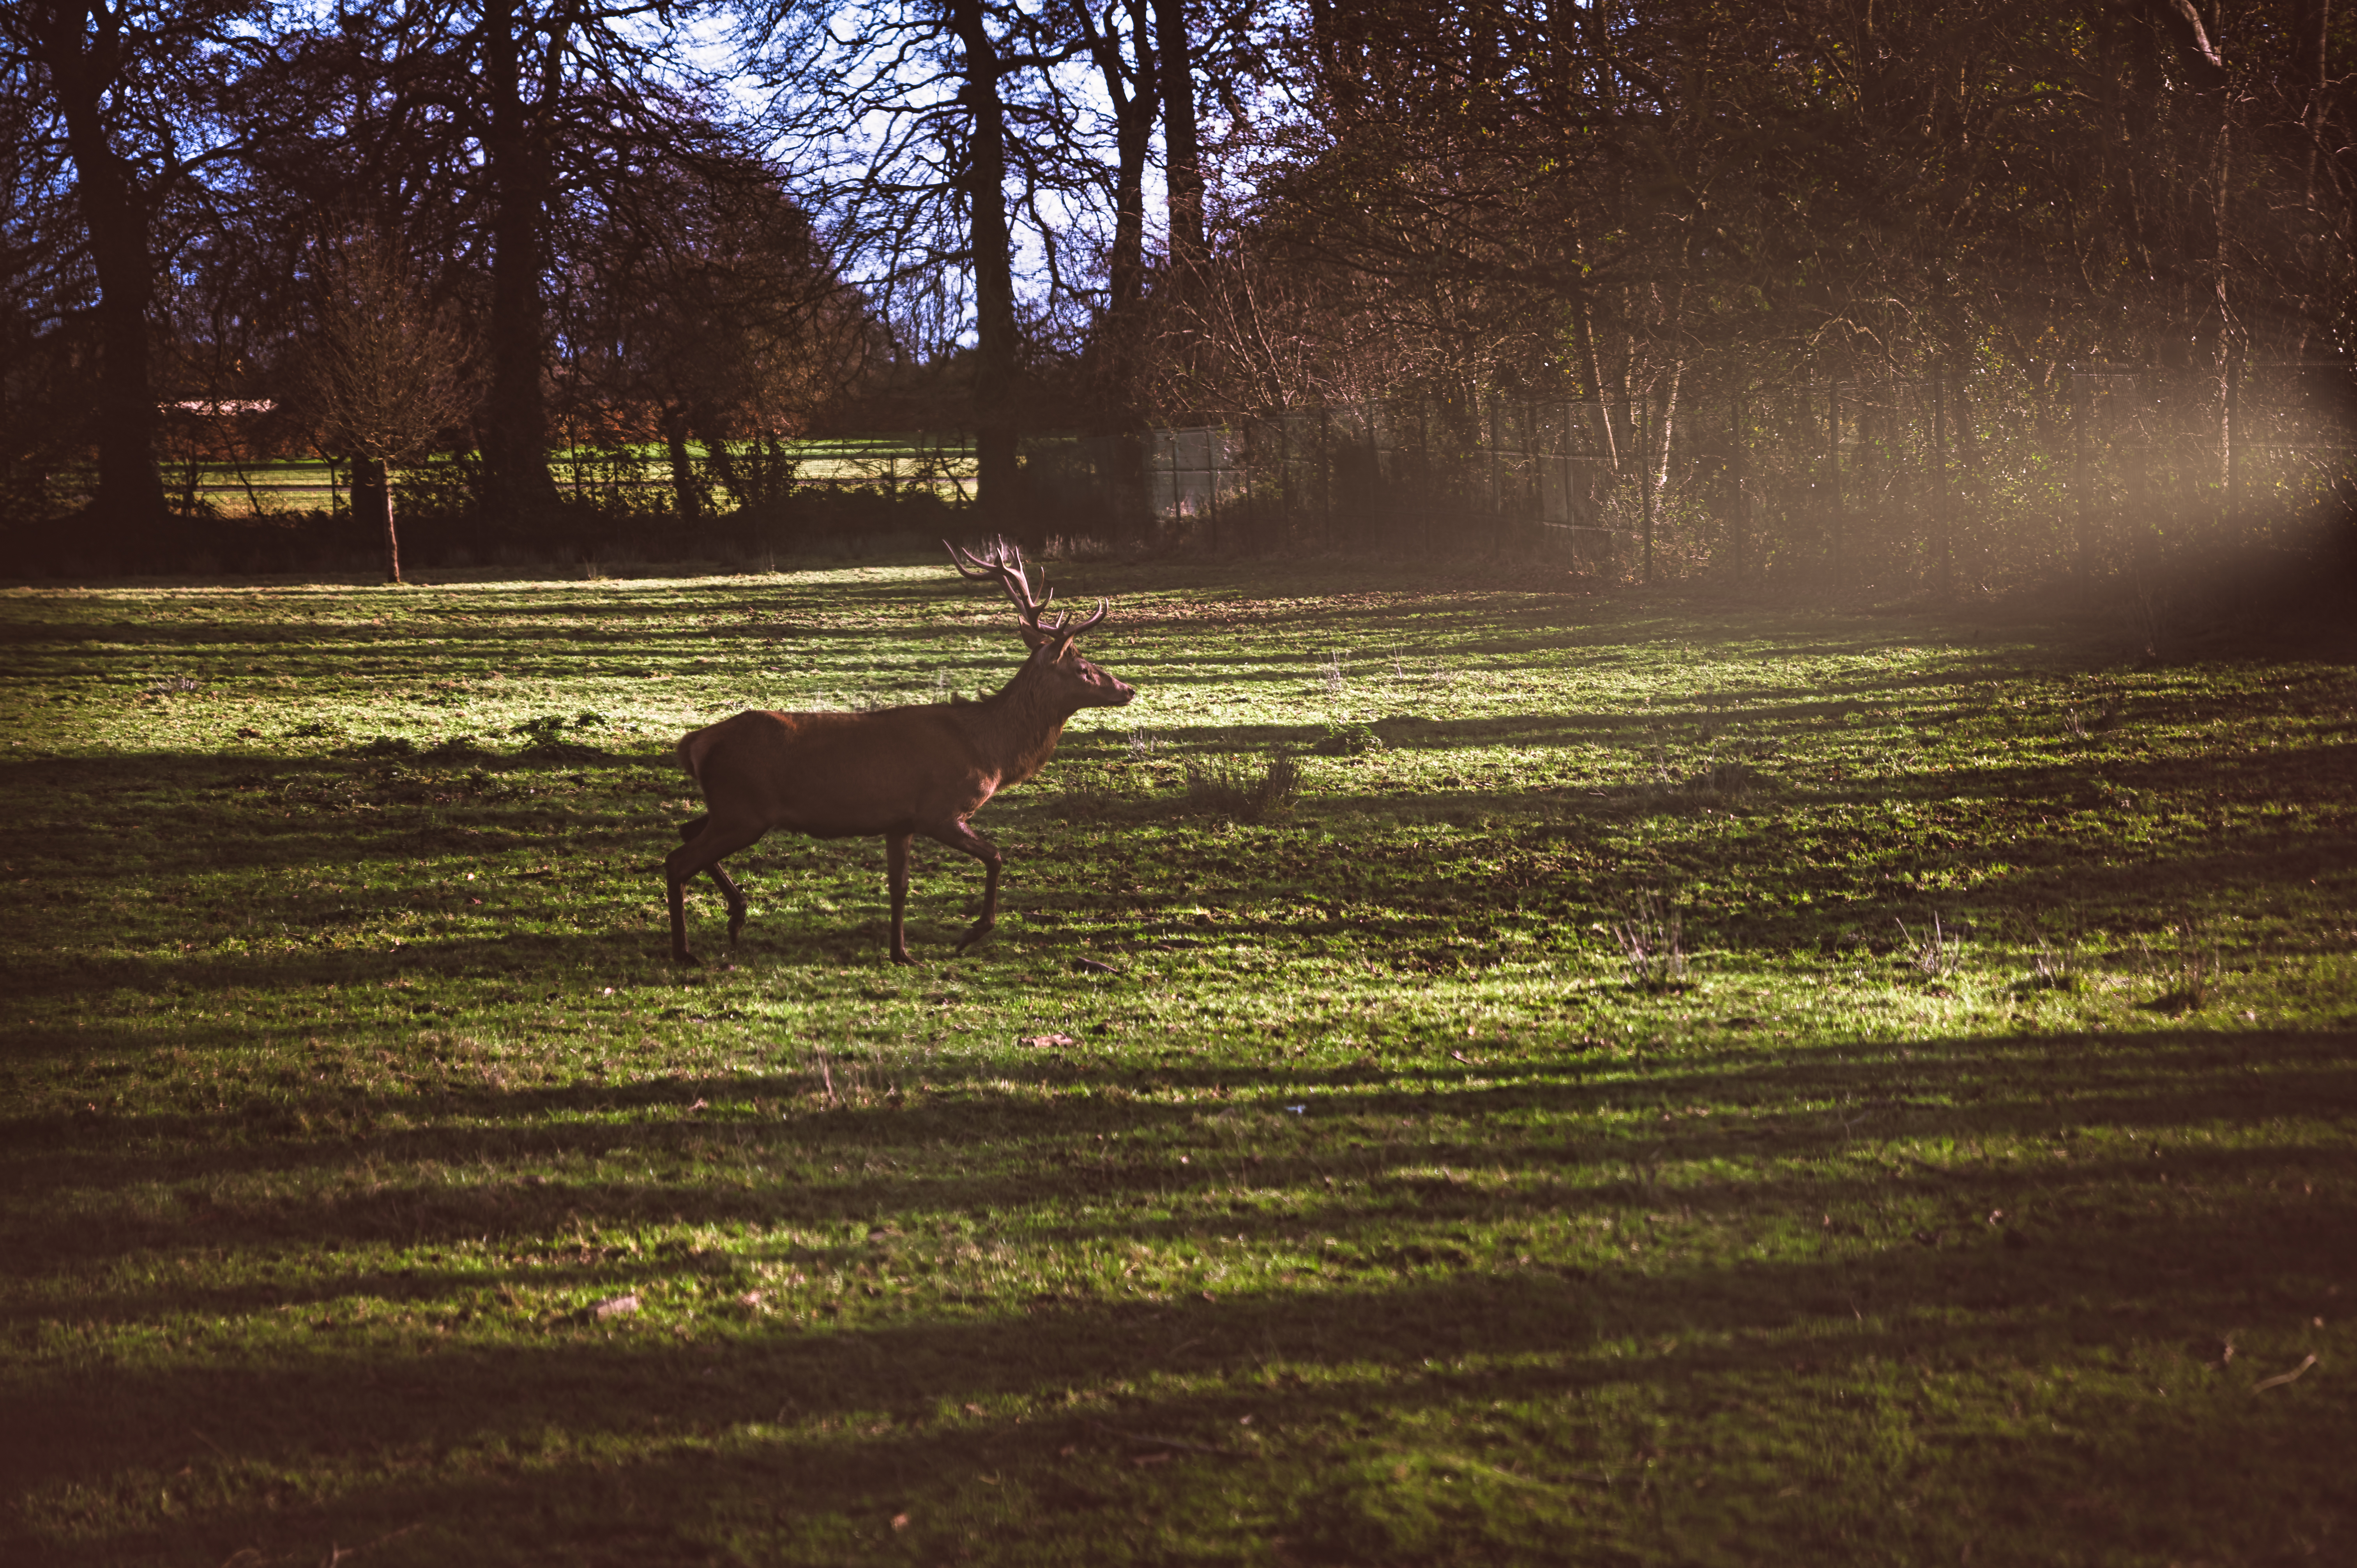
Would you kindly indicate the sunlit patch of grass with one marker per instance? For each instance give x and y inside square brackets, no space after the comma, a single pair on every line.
[1312,1189]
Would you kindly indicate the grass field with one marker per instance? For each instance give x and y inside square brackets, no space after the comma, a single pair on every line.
[1682,1084]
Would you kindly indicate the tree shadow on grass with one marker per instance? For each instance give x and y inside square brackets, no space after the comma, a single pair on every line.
[1631,1381]
[1100,1161]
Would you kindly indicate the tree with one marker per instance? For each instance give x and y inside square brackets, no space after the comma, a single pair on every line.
[44,357]
[708,304]
[929,136]
[503,137]
[125,89]
[383,373]
[1129,72]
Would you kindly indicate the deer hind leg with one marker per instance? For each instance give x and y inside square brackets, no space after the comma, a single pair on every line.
[896,871]
[960,837]
[704,852]
[720,880]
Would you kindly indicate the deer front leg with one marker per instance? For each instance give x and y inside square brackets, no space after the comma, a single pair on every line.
[896,869]
[679,951]
[721,880]
[960,837]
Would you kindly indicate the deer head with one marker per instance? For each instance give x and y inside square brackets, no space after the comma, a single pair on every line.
[1055,665]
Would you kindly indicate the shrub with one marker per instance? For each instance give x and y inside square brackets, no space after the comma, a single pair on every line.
[1234,787]
[1347,740]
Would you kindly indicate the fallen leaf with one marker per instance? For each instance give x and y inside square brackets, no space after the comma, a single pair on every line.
[615,1306]
[1050,1040]
[899,1521]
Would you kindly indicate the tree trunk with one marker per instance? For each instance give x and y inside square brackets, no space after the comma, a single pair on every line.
[369,501]
[1589,360]
[682,474]
[516,421]
[370,479]
[1657,477]
[1128,69]
[130,499]
[994,271]
[1137,99]
[2311,40]
[1181,144]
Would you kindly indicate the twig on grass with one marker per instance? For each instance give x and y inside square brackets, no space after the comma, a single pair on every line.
[1651,944]
[2282,1377]
[1936,951]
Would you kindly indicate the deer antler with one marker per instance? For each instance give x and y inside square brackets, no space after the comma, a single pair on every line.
[1003,562]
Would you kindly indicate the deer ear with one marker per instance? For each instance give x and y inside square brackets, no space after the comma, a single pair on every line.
[1035,640]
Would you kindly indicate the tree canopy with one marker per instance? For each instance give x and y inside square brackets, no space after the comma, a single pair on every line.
[701,222]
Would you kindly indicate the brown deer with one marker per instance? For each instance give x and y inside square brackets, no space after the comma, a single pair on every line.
[895,772]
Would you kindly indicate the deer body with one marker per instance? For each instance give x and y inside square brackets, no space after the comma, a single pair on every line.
[893,774]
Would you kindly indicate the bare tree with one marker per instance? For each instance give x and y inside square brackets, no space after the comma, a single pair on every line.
[929,136]
[125,90]
[383,370]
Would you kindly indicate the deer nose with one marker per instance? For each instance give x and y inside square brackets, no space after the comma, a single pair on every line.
[1122,693]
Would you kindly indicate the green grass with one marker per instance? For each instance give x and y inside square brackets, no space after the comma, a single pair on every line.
[280,485]
[1340,1186]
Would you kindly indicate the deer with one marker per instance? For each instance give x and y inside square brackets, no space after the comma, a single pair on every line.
[891,772]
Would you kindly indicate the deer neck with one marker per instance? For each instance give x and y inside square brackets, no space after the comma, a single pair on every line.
[1016,729]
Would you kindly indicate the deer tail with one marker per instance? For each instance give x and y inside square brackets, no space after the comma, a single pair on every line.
[696,749]
[692,748]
